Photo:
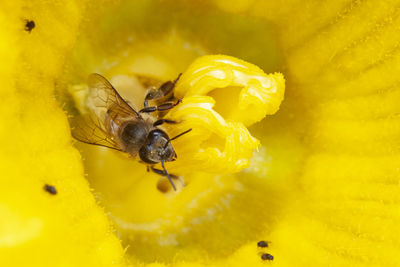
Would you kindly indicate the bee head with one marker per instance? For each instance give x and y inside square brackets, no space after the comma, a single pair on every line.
[157,148]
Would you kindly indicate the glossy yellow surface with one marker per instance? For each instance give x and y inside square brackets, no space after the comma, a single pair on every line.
[323,187]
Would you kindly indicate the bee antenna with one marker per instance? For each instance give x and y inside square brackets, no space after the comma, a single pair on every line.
[169,176]
[179,135]
[176,80]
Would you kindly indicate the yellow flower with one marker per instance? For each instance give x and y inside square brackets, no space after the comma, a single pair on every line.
[322,188]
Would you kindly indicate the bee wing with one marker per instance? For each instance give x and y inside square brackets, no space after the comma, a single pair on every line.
[90,128]
[103,96]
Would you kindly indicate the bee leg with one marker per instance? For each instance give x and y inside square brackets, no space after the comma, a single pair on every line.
[165,174]
[162,107]
[162,173]
[164,90]
[161,121]
[152,94]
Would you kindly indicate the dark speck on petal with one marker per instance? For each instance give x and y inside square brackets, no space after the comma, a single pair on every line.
[262,244]
[29,25]
[51,189]
[267,257]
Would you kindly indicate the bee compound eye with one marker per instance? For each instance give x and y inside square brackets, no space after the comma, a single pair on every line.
[169,152]
[146,154]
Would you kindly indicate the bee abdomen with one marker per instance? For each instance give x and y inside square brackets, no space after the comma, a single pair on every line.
[133,135]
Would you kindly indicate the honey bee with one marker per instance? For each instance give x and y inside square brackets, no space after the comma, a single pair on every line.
[111,122]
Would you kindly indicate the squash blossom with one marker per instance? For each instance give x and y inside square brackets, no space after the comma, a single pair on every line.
[315,175]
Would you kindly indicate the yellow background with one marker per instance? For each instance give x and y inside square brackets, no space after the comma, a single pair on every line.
[325,189]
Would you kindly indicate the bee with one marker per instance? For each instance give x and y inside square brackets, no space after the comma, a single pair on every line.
[111,122]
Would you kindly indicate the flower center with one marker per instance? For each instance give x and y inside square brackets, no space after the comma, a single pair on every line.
[215,210]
